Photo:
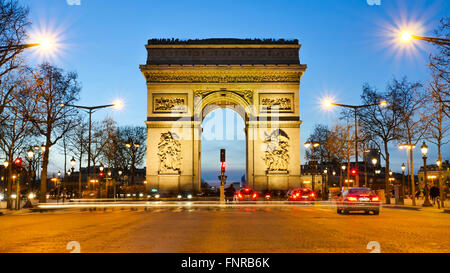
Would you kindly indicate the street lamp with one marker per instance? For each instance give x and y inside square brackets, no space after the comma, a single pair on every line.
[424,150]
[90,110]
[30,154]
[374,162]
[312,145]
[355,108]
[402,191]
[58,185]
[45,44]
[133,148]
[6,164]
[409,149]
[407,36]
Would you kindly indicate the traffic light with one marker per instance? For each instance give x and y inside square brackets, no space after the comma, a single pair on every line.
[222,155]
[18,162]
[223,166]
[101,174]
[354,171]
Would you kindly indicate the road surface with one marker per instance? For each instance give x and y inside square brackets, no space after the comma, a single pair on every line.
[238,230]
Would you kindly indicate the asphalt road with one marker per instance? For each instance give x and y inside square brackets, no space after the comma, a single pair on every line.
[266,229]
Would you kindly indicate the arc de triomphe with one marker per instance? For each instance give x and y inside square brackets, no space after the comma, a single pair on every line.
[186,80]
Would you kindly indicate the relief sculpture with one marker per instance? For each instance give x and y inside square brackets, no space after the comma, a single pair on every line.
[169,103]
[169,152]
[276,155]
[276,102]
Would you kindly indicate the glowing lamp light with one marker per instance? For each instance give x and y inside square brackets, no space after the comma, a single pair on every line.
[118,104]
[406,36]
[327,103]
[46,44]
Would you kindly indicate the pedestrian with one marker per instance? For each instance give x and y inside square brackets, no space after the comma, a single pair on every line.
[418,194]
[230,192]
[434,193]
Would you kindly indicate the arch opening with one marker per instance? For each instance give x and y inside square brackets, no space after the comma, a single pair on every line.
[223,127]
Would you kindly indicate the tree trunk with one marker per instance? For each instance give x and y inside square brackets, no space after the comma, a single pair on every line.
[413,186]
[43,193]
[386,175]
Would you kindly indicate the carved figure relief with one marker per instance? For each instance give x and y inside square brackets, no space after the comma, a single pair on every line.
[169,103]
[169,152]
[276,102]
[276,155]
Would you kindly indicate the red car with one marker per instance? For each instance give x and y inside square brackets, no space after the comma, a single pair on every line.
[305,195]
[247,194]
[358,199]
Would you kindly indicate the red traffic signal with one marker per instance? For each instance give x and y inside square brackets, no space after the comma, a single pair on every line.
[223,166]
[18,162]
[354,171]
[101,174]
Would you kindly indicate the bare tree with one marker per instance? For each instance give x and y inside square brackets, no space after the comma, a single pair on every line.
[441,60]
[13,24]
[381,123]
[439,129]
[16,129]
[135,136]
[77,139]
[54,88]
[411,100]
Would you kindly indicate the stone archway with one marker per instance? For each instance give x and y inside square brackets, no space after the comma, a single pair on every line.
[186,80]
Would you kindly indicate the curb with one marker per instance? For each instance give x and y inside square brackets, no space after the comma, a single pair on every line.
[446,211]
[402,207]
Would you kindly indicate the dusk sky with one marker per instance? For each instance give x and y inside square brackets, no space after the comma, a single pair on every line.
[344,43]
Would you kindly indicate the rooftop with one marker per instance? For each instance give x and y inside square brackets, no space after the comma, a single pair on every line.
[223,41]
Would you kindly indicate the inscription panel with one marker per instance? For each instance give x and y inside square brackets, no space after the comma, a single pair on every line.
[282,103]
[170,103]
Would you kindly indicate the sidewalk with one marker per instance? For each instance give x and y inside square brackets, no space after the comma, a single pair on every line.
[418,206]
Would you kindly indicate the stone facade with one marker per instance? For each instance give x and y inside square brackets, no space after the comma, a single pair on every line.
[186,81]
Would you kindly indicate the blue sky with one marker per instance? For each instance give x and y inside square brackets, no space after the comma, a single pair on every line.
[344,44]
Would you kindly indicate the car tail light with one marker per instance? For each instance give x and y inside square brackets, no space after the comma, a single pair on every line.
[352,198]
[240,196]
[246,189]
[312,195]
[375,199]
[267,196]
[254,196]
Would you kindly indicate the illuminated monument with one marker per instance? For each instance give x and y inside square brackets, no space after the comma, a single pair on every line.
[186,80]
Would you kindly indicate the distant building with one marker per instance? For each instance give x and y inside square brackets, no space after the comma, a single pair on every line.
[433,174]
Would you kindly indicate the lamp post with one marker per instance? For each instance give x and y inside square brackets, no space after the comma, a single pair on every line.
[355,109]
[441,184]
[58,185]
[30,155]
[374,162]
[133,148]
[101,168]
[5,189]
[402,190]
[120,182]
[407,36]
[409,158]
[325,185]
[424,150]
[90,110]
[342,174]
